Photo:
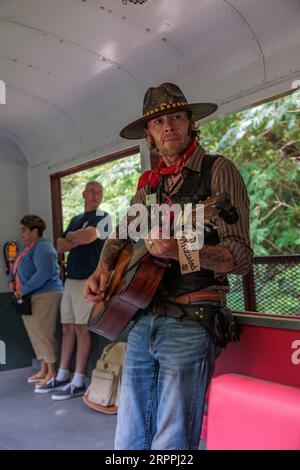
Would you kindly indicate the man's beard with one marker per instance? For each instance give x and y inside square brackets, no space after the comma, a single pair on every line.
[176,149]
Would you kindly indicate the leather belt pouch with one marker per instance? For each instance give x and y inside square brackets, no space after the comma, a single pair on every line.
[216,319]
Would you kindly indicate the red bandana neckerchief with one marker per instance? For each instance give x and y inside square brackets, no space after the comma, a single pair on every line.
[152,176]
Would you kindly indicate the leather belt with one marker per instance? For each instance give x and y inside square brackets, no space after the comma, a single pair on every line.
[197,296]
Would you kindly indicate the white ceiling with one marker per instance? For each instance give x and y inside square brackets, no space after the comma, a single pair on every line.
[76,71]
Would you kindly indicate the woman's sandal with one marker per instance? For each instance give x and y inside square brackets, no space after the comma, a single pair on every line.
[35,378]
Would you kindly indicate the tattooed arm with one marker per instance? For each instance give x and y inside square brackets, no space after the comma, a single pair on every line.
[235,238]
[217,258]
[96,284]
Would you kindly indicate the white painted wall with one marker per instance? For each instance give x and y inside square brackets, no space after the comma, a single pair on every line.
[13,196]
[40,195]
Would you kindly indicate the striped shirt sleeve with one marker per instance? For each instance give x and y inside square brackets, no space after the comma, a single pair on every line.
[236,237]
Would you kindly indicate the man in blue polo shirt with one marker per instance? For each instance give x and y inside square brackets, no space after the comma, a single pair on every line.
[84,243]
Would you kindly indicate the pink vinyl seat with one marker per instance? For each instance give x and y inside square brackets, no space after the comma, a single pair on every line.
[249,413]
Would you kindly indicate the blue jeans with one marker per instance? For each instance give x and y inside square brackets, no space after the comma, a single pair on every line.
[167,368]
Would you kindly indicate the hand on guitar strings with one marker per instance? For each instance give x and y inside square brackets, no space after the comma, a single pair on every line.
[160,246]
[95,286]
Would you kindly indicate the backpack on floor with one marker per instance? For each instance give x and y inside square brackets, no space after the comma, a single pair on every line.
[103,392]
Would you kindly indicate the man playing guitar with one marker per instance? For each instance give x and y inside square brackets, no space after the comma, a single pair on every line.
[170,355]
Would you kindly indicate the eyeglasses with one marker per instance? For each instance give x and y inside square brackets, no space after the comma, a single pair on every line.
[93,191]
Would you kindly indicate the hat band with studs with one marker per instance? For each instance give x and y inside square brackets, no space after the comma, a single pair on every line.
[165,107]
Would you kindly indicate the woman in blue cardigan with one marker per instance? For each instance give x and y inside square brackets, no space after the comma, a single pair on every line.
[36,272]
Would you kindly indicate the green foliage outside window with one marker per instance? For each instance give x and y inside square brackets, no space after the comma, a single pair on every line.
[118,178]
[264,143]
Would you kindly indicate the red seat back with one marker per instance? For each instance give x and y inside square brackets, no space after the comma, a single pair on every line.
[249,413]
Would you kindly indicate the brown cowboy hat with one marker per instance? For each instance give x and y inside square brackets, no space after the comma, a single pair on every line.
[164,99]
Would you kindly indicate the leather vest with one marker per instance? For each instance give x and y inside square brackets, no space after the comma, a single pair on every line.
[195,188]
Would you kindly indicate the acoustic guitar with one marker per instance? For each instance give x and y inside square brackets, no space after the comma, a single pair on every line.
[138,274]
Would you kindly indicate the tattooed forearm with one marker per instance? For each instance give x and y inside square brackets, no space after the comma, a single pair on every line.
[217,258]
[114,245]
[110,253]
